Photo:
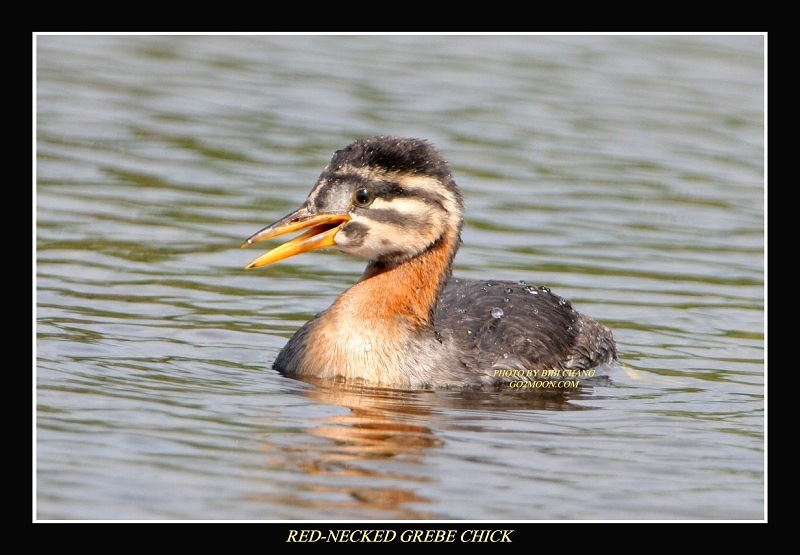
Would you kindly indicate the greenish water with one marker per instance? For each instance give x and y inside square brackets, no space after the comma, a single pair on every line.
[624,172]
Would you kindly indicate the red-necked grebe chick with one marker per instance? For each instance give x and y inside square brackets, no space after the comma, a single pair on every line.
[406,323]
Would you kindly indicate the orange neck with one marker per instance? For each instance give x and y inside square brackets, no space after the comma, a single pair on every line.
[405,293]
[367,332]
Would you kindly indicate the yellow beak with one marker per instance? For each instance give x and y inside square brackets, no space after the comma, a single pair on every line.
[320,231]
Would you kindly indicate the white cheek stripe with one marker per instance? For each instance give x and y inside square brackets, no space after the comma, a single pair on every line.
[428,185]
[403,206]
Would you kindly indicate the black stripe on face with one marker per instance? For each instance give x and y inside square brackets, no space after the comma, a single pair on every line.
[334,190]
[389,190]
[355,232]
[395,217]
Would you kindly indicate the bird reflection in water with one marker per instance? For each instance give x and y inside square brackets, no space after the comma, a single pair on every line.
[371,460]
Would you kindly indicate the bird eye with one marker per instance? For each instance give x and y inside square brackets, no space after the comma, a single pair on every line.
[363,197]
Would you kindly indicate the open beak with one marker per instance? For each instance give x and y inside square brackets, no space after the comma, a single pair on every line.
[320,231]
